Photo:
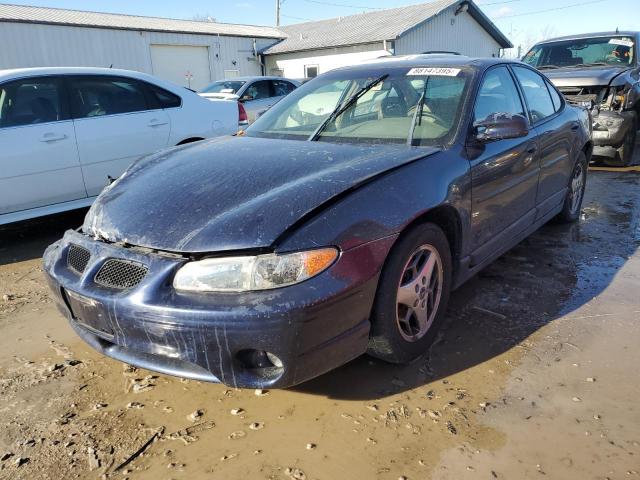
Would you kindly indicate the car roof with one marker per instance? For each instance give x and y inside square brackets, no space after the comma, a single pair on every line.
[43,71]
[251,78]
[622,33]
[428,60]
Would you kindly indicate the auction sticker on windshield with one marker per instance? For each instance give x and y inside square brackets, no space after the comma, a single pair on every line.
[621,41]
[442,71]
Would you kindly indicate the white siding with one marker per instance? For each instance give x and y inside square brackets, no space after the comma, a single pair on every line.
[458,33]
[292,64]
[38,45]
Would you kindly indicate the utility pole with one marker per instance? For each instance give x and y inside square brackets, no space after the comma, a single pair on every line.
[277,13]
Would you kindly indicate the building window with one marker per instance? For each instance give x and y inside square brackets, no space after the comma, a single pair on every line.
[231,74]
[311,71]
[277,72]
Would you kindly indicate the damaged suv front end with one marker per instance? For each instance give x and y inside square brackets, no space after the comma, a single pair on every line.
[600,72]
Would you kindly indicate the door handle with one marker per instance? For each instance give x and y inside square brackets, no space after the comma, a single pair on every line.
[575,127]
[52,137]
[156,123]
[532,150]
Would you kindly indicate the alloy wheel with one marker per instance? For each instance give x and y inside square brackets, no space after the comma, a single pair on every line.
[419,293]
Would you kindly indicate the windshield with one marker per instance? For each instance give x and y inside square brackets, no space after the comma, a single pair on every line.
[361,107]
[616,50]
[224,86]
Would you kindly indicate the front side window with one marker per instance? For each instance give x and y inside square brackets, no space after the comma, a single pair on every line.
[584,52]
[99,96]
[257,91]
[389,112]
[30,102]
[536,93]
[497,94]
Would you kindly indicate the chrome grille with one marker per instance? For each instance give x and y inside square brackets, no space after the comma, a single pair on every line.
[78,258]
[120,274]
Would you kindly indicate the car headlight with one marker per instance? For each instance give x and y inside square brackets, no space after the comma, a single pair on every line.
[259,272]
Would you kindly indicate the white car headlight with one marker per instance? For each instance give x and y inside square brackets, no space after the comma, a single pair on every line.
[260,272]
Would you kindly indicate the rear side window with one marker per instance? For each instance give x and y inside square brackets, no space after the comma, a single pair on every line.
[555,97]
[163,98]
[30,102]
[497,94]
[282,88]
[536,93]
[97,96]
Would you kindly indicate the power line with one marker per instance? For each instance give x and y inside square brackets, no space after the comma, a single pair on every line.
[296,18]
[498,3]
[581,4]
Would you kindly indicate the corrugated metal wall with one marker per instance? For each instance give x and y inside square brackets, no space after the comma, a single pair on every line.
[292,64]
[36,45]
[459,33]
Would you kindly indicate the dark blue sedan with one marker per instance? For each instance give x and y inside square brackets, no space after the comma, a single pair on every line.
[336,225]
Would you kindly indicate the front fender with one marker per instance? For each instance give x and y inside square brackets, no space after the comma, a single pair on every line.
[389,204]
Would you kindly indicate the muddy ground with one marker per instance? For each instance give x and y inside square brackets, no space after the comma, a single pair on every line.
[535,374]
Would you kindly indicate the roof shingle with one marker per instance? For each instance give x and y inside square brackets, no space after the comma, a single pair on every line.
[371,27]
[57,16]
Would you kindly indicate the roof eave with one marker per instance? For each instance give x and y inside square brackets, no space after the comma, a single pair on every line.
[267,52]
[480,17]
[107,27]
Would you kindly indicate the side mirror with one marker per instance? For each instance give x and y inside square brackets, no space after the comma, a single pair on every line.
[499,126]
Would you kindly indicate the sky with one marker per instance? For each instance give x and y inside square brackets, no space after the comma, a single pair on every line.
[516,18]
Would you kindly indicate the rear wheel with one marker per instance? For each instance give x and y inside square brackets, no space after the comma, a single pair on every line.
[412,295]
[575,193]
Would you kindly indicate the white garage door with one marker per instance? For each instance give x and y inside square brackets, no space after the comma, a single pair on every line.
[184,65]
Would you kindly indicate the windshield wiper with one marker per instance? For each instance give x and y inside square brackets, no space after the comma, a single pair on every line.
[342,107]
[418,113]
[592,64]
[542,67]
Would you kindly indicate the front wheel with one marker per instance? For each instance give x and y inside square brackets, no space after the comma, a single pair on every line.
[575,193]
[412,295]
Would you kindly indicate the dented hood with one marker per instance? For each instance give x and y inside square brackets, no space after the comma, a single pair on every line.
[233,193]
[584,77]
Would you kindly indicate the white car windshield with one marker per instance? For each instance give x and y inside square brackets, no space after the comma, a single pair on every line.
[420,106]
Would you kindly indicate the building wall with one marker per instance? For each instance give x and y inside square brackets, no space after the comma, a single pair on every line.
[36,45]
[458,33]
[292,65]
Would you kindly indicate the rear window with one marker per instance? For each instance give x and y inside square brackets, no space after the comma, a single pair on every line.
[164,98]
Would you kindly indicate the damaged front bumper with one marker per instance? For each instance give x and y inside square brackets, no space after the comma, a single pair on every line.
[610,127]
[307,328]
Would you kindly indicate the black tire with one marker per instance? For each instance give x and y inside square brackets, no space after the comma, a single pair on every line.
[387,341]
[571,210]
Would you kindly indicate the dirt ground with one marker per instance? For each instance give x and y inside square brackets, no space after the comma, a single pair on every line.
[535,374]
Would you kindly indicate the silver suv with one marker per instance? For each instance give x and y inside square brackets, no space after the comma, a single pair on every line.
[601,72]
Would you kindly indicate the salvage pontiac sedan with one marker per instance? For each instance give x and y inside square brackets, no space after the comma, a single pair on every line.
[336,225]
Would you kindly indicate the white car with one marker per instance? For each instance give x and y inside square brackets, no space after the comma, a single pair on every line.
[65,131]
[256,94]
